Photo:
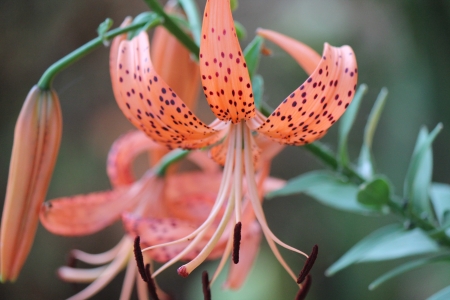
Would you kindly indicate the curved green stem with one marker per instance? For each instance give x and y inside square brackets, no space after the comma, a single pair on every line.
[173,28]
[48,76]
[168,159]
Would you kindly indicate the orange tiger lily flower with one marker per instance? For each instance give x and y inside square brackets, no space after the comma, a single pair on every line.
[37,138]
[304,116]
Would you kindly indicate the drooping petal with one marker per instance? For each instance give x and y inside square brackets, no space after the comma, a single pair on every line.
[225,79]
[305,56]
[87,214]
[306,114]
[122,154]
[151,105]
[247,253]
[82,214]
[37,138]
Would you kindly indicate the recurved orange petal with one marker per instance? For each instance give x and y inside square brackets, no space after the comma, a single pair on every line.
[87,214]
[225,79]
[306,114]
[151,105]
[305,56]
[122,154]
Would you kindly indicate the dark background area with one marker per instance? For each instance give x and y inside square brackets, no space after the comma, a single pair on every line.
[401,45]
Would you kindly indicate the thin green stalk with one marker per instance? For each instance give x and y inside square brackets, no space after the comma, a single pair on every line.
[173,28]
[48,76]
[168,159]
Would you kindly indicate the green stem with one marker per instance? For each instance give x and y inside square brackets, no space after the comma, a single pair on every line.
[169,159]
[48,76]
[173,28]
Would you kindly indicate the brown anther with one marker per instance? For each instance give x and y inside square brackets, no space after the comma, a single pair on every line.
[183,272]
[266,51]
[308,264]
[205,286]
[151,283]
[236,241]
[304,289]
[139,258]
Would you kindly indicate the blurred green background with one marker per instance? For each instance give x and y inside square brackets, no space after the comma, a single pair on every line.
[403,45]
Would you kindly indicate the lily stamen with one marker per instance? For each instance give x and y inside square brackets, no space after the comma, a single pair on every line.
[236,241]
[308,264]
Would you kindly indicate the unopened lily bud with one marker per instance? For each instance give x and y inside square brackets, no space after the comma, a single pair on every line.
[37,138]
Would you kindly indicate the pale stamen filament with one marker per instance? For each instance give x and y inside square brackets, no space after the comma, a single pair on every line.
[69,274]
[238,171]
[100,258]
[128,281]
[107,275]
[223,260]
[221,197]
[254,198]
[190,266]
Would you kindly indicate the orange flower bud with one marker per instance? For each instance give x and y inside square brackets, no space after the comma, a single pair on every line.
[37,138]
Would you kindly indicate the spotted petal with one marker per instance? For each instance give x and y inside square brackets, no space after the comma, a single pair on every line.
[225,79]
[87,214]
[154,231]
[151,105]
[306,114]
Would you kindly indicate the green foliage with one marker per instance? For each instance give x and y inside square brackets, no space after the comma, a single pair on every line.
[103,28]
[375,194]
[346,124]
[258,90]
[389,242]
[418,177]
[195,25]
[326,188]
[365,160]
[443,294]
[150,18]
[241,32]
[440,197]
[252,54]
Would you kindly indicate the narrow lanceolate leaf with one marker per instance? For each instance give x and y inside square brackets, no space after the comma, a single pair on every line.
[365,160]
[258,90]
[389,242]
[190,8]
[375,194]
[418,177]
[225,78]
[150,103]
[252,54]
[325,188]
[405,268]
[37,138]
[307,113]
[440,197]
[443,294]
[346,125]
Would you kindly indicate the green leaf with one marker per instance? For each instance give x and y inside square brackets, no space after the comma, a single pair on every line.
[387,243]
[103,28]
[258,90]
[375,194]
[346,124]
[443,294]
[190,8]
[418,177]
[325,188]
[234,4]
[440,197]
[252,54]
[405,268]
[240,30]
[365,161]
